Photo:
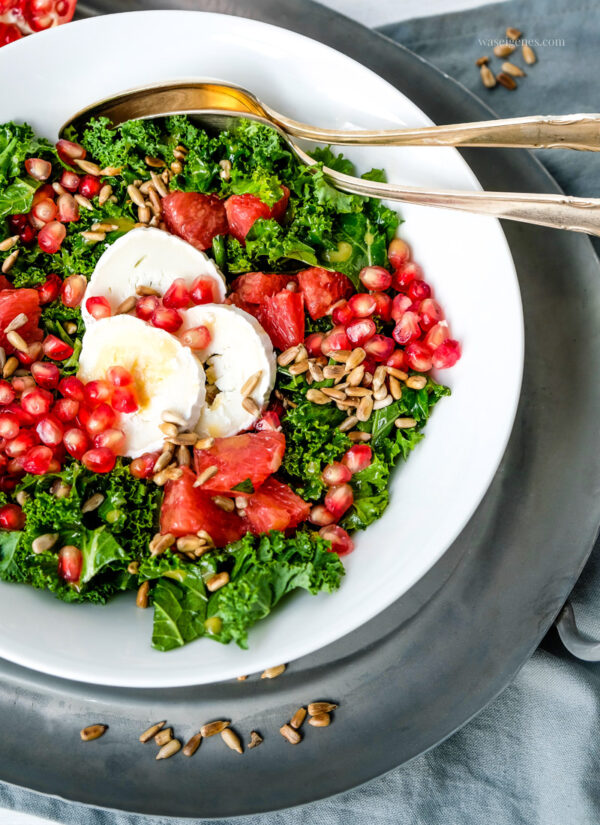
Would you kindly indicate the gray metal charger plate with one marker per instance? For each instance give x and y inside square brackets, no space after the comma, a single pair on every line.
[434,659]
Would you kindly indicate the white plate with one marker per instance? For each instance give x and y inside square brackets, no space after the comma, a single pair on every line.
[466,259]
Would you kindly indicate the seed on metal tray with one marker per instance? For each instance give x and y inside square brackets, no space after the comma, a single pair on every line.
[507,81]
[272,672]
[314,708]
[163,736]
[504,49]
[511,68]
[44,542]
[214,727]
[93,732]
[512,33]
[232,740]
[250,406]
[298,718]
[291,735]
[217,582]
[205,476]
[528,54]
[487,77]
[255,739]
[192,745]
[320,720]
[416,382]
[405,423]
[169,749]
[141,599]
[481,61]
[149,734]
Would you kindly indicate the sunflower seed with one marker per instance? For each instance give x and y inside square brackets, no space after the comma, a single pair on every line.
[232,740]
[159,185]
[333,393]
[17,322]
[321,720]
[315,708]
[92,503]
[204,443]
[507,81]
[111,171]
[168,429]
[155,203]
[148,290]
[298,718]
[44,542]
[487,77]
[356,357]
[317,397]
[160,543]
[359,435]
[202,534]
[8,243]
[341,355]
[163,460]
[144,214]
[84,202]
[504,49]
[380,392]
[250,406]
[481,61]
[512,33]
[184,458]
[184,439]
[217,582]
[187,543]
[225,172]
[251,384]
[287,356]
[350,422]
[356,376]
[255,739]
[405,423]
[60,490]
[133,568]
[22,497]
[141,599]
[93,732]
[416,382]
[135,195]
[213,727]
[7,263]
[510,68]
[395,388]
[292,736]
[169,749]
[205,475]
[161,478]
[155,163]
[93,237]
[364,409]
[104,194]
[173,418]
[528,54]
[399,374]
[316,373]
[60,190]
[163,736]
[176,167]
[149,734]
[224,503]
[190,748]
[381,403]
[17,341]
[126,306]
[333,371]
[358,392]
[272,672]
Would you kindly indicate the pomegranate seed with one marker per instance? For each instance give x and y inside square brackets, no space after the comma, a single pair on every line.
[397,360]
[21,444]
[89,186]
[166,318]
[27,234]
[362,305]
[38,168]
[24,418]
[69,151]
[341,543]
[383,306]
[99,460]
[335,341]
[71,387]
[66,409]
[113,439]
[56,349]
[360,331]
[70,562]
[400,305]
[76,442]
[447,354]
[37,460]
[37,401]
[45,211]
[405,275]
[17,222]
[398,253]
[335,473]
[313,344]
[419,290]
[338,499]
[177,295]
[15,466]
[22,383]
[436,336]
[358,458]
[97,392]
[9,426]
[269,421]
[379,348]
[69,181]
[50,431]
[68,208]
[143,467]
[73,290]
[430,314]
[7,393]
[320,515]
[44,192]
[35,222]
[146,306]
[407,328]
[46,375]
[418,357]
[98,307]
[124,400]
[50,289]
[51,236]
[101,418]
[119,376]
[11,517]
[202,291]
[341,313]
[196,337]
[375,278]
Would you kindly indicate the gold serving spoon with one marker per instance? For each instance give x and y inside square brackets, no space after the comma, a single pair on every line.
[219,106]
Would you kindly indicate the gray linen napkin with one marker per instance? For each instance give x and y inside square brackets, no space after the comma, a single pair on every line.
[532,757]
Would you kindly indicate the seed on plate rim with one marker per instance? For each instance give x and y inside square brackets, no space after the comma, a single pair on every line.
[91,732]
[141,599]
[291,735]
[273,672]
[212,728]
[232,740]
[7,263]
[169,749]
[217,581]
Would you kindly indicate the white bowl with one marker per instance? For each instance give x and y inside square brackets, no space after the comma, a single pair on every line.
[466,259]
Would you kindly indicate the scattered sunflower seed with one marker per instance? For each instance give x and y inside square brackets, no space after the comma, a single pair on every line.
[217,582]
[8,243]
[213,728]
[141,599]
[92,503]
[528,54]
[512,33]
[169,749]
[93,732]
[163,736]
[272,672]
[250,406]
[88,167]
[149,734]
[84,202]
[320,720]
[512,69]
[314,708]
[255,739]
[348,423]
[17,322]
[44,542]
[317,397]
[487,77]
[298,718]
[504,49]
[416,382]
[405,423]
[205,476]
[126,306]
[190,748]
[7,263]
[155,163]
[481,61]
[232,740]
[93,237]
[291,735]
